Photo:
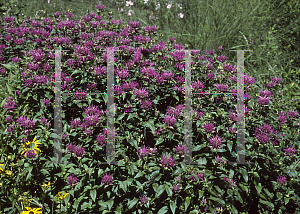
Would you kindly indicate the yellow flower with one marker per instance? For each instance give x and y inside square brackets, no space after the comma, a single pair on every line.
[35,146]
[26,201]
[46,186]
[32,211]
[8,172]
[61,196]
[1,167]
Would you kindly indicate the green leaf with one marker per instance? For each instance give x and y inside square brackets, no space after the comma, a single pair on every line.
[133,115]
[132,203]
[9,90]
[163,210]
[110,203]
[234,210]
[159,141]
[168,190]
[93,194]
[243,187]
[150,124]
[229,145]
[258,188]
[187,203]
[245,174]
[133,142]
[141,173]
[286,200]
[173,206]
[218,200]
[121,117]
[266,203]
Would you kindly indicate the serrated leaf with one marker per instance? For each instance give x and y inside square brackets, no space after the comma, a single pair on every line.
[93,194]
[266,203]
[163,210]
[132,203]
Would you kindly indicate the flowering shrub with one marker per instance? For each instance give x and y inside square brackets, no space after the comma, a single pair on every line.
[149,125]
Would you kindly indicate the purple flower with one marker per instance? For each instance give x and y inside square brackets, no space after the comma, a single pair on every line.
[181,150]
[71,147]
[30,154]
[101,141]
[144,200]
[282,119]
[209,75]
[292,113]
[199,176]
[146,104]
[209,127]
[232,129]
[220,160]
[80,95]
[72,180]
[75,124]
[215,142]
[290,151]
[46,102]
[222,58]
[167,161]
[100,7]
[144,152]
[9,119]
[176,187]
[79,151]
[26,123]
[170,120]
[9,104]
[157,131]
[107,179]
[153,150]
[141,93]
[222,87]
[171,39]
[281,180]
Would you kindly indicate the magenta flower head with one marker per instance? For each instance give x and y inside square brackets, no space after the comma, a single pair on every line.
[100,7]
[176,187]
[215,142]
[144,200]
[281,180]
[290,151]
[79,151]
[167,161]
[72,180]
[9,119]
[107,179]
[9,104]
[181,150]
[71,147]
[144,152]
[30,154]
[209,127]
[198,175]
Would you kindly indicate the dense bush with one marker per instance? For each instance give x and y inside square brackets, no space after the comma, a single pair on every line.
[149,125]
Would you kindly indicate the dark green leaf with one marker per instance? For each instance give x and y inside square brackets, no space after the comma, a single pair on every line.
[163,210]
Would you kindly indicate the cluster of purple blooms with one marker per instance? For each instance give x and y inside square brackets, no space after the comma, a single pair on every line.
[72,180]
[167,161]
[144,152]
[78,151]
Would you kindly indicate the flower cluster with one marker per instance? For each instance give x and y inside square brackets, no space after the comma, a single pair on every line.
[198,175]
[232,183]
[215,142]
[9,104]
[167,161]
[72,180]
[209,127]
[79,151]
[281,180]
[144,152]
[107,179]
[181,150]
[220,161]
